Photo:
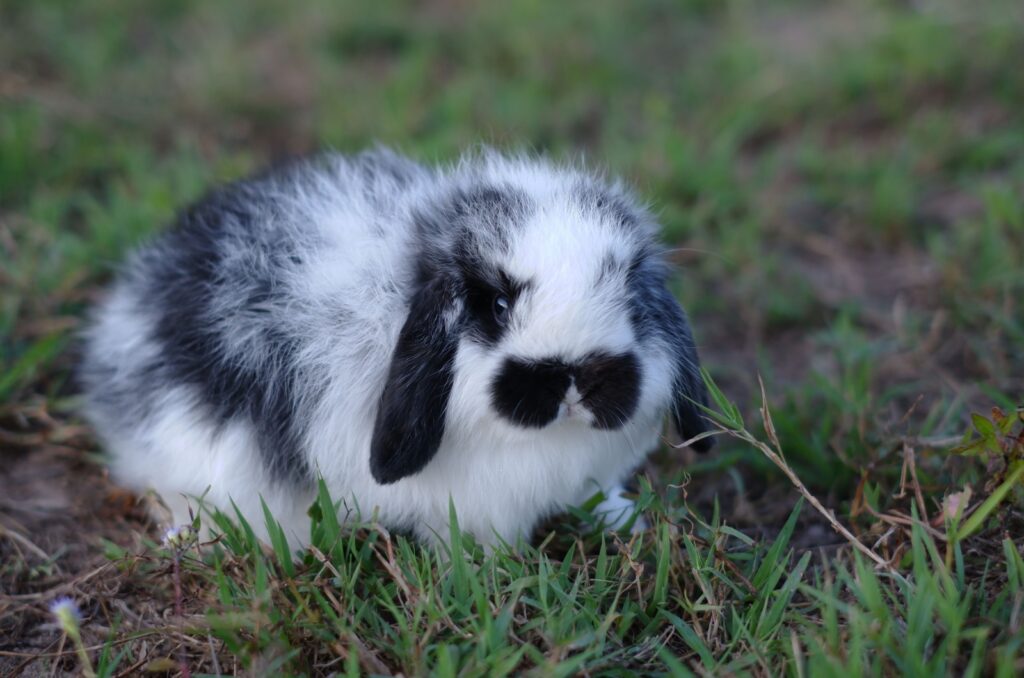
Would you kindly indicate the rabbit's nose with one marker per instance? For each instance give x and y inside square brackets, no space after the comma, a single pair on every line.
[572,395]
[573,405]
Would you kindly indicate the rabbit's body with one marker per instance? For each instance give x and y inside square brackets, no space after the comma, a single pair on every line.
[327,319]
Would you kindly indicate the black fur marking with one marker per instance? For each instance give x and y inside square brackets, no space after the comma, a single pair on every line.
[481,287]
[485,214]
[655,312]
[610,387]
[643,278]
[613,206]
[189,271]
[495,206]
[529,393]
[413,406]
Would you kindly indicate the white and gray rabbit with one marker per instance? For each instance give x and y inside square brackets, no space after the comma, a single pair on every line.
[497,333]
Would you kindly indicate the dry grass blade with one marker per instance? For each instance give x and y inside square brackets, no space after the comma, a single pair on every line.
[774,453]
[24,542]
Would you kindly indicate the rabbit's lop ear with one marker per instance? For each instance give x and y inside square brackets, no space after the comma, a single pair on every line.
[689,389]
[413,405]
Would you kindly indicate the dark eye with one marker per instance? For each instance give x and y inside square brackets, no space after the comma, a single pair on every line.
[501,308]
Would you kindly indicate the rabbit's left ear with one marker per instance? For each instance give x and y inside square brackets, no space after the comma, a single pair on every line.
[414,403]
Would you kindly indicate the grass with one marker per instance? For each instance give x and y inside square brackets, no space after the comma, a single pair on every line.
[843,181]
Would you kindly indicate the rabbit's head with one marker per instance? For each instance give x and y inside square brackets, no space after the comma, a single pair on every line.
[539,308]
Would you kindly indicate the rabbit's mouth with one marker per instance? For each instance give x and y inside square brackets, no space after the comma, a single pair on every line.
[601,390]
[574,408]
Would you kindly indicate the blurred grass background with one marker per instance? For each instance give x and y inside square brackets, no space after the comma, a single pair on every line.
[843,180]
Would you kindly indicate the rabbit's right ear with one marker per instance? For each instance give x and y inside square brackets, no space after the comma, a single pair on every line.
[414,403]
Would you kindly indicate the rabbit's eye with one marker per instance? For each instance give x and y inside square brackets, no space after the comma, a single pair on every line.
[502,308]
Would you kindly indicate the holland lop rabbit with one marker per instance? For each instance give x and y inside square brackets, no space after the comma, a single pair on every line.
[497,333]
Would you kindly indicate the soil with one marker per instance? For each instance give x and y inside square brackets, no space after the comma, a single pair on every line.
[60,515]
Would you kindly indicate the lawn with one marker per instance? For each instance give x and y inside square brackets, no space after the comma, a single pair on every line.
[844,182]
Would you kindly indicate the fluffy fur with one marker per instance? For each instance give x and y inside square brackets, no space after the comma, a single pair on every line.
[498,333]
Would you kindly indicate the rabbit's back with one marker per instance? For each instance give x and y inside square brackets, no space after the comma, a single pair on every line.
[244,313]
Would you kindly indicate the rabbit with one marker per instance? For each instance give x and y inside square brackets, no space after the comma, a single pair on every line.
[497,334]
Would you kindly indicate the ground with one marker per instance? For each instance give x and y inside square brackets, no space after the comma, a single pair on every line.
[843,182]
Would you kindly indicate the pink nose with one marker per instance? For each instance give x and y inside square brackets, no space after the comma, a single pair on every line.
[572,405]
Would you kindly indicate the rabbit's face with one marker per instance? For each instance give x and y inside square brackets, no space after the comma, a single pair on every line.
[539,302]
[548,316]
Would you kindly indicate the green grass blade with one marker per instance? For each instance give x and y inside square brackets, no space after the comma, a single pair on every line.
[981,514]
[278,541]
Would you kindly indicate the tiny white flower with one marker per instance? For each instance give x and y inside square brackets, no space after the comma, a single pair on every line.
[69,618]
[171,536]
[67,613]
[179,537]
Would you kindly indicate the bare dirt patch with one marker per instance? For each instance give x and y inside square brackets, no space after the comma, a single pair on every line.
[59,516]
